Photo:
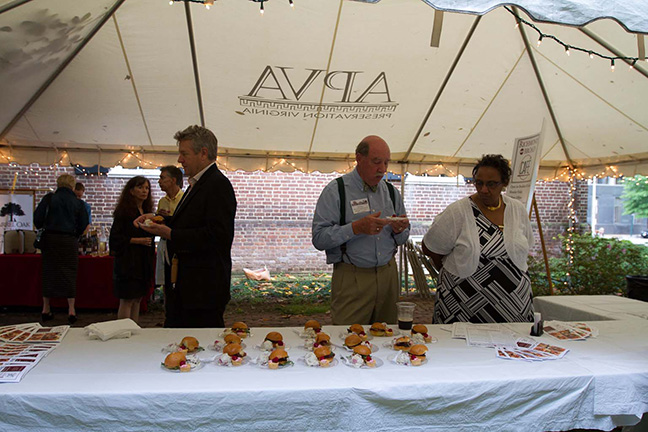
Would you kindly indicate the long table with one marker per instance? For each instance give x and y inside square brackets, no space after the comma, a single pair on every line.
[20,282]
[119,385]
[590,307]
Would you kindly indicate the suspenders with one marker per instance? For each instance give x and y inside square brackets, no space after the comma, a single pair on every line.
[342,192]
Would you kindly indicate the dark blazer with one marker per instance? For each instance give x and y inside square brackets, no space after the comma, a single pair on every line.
[202,232]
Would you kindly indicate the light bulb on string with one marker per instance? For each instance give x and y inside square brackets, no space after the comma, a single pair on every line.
[539,41]
[612,65]
[567,51]
[591,55]
[292,5]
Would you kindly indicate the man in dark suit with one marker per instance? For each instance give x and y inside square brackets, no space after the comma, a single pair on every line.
[200,235]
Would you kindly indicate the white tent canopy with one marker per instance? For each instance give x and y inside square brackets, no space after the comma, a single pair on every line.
[110,81]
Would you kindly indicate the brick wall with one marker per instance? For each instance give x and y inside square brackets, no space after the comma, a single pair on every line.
[273,222]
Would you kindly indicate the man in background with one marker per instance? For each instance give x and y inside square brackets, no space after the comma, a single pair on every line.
[79,189]
[171,183]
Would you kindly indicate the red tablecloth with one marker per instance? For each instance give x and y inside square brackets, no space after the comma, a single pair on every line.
[20,282]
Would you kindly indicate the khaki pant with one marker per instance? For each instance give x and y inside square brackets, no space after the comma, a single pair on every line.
[364,295]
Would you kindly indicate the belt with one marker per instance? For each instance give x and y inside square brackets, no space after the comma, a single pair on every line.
[364,269]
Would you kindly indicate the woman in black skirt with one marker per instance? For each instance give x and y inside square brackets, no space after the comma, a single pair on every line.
[64,218]
[132,248]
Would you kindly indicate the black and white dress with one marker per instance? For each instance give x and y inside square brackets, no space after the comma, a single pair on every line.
[498,291]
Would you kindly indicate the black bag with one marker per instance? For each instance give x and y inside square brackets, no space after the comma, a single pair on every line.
[38,242]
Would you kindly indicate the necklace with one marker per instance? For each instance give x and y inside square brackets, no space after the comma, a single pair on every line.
[499,204]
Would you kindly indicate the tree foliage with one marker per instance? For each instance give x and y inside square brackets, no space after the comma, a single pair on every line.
[11,209]
[635,196]
[600,267]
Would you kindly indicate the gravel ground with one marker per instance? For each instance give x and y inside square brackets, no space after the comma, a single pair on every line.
[255,315]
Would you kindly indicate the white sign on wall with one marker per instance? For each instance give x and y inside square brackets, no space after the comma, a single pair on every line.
[524,167]
[16,213]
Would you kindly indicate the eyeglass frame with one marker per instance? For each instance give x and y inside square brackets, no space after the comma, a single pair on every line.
[489,184]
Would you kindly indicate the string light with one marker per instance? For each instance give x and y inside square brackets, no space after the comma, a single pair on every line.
[568,47]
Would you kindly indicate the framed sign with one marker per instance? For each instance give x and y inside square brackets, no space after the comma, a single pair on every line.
[16,211]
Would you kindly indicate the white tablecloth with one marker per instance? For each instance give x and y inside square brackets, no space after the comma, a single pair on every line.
[589,308]
[118,385]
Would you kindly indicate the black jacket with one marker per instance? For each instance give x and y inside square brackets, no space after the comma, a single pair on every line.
[66,214]
[201,238]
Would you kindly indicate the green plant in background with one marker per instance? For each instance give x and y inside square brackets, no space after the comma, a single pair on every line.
[306,288]
[600,267]
[635,196]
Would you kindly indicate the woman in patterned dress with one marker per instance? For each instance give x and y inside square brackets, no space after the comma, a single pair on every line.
[480,244]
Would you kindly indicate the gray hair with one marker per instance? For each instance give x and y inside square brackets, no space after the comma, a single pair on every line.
[363,148]
[200,138]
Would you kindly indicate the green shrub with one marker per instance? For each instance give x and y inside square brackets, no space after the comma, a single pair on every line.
[600,267]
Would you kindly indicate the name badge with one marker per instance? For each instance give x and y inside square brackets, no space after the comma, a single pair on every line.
[360,205]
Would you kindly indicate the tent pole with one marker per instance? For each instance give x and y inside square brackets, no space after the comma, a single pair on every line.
[404,270]
[613,50]
[542,242]
[443,86]
[194,61]
[16,3]
[554,120]
[61,67]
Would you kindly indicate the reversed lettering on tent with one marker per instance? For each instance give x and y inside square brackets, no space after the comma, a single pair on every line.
[353,95]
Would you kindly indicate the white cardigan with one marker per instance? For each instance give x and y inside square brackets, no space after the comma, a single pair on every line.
[454,235]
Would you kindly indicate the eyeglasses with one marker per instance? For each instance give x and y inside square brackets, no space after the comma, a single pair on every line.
[489,184]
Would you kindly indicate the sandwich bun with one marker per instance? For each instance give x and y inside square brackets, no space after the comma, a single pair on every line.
[232,349]
[363,350]
[314,324]
[190,343]
[157,219]
[174,359]
[378,326]
[356,328]
[322,339]
[274,336]
[322,351]
[232,338]
[352,340]
[418,350]
[419,328]
[241,329]
[280,355]
[402,343]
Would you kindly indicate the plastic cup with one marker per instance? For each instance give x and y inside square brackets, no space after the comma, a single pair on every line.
[405,315]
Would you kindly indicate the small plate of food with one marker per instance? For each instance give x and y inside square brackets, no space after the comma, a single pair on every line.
[379,329]
[353,340]
[402,343]
[322,339]
[272,341]
[415,356]
[231,338]
[238,328]
[311,328]
[233,355]
[320,357]
[419,335]
[277,359]
[178,362]
[358,330]
[189,344]
[361,358]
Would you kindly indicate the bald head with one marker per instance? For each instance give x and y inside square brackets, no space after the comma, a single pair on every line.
[372,156]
